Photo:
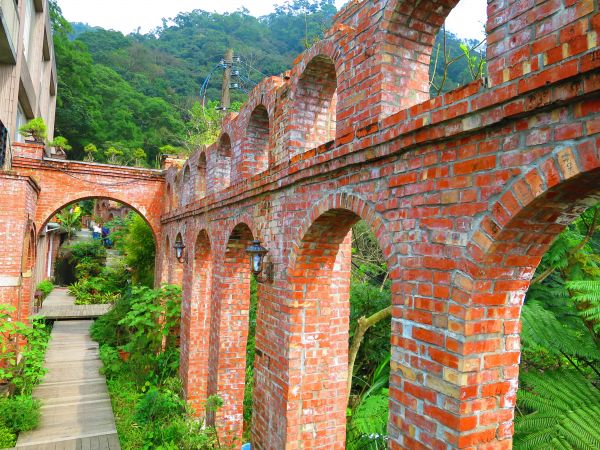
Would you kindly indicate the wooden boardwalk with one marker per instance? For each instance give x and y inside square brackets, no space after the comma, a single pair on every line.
[59,306]
[76,408]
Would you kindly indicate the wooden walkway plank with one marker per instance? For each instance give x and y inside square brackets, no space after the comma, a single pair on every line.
[76,408]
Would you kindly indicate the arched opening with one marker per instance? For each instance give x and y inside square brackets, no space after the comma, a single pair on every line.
[535,318]
[425,57]
[169,198]
[94,252]
[229,327]
[315,105]
[321,282]
[195,315]
[256,146]
[187,187]
[201,176]
[223,165]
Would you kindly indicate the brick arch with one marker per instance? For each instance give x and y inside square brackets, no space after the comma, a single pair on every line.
[195,322]
[47,216]
[313,112]
[223,161]
[256,154]
[356,205]
[229,327]
[201,174]
[408,33]
[187,188]
[319,276]
[505,251]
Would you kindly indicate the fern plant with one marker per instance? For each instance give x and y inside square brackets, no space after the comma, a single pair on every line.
[563,412]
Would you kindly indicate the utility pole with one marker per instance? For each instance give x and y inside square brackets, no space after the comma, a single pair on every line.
[225,96]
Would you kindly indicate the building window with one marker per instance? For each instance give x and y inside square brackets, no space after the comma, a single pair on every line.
[21,120]
[28,30]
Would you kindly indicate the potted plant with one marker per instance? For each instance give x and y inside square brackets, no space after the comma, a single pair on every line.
[35,130]
[60,143]
[90,150]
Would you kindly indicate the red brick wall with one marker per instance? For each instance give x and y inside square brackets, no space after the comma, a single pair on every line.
[464,192]
[17,213]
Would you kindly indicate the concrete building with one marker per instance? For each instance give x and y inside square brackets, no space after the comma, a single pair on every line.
[28,78]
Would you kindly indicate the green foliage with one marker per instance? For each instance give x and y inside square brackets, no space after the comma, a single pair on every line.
[60,142]
[455,62]
[145,392]
[140,250]
[46,287]
[90,150]
[35,128]
[70,220]
[153,319]
[19,413]
[365,300]
[563,411]
[8,438]
[558,402]
[92,250]
[25,372]
[158,405]
[250,356]
[367,427]
[113,155]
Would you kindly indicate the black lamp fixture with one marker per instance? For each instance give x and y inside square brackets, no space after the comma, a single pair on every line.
[179,249]
[257,255]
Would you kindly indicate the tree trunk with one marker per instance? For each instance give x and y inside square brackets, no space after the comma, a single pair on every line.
[364,323]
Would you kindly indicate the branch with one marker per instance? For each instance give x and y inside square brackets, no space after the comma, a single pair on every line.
[364,323]
[591,230]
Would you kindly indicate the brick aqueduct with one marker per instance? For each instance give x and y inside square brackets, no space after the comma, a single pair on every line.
[465,192]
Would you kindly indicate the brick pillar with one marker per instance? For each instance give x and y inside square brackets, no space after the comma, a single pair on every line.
[17,235]
[318,348]
[229,332]
[195,314]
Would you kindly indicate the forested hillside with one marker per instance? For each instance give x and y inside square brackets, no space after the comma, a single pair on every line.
[141,91]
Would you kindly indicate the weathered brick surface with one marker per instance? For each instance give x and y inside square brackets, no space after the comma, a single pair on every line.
[38,188]
[464,192]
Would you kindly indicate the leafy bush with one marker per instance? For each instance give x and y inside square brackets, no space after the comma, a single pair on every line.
[140,250]
[19,413]
[46,287]
[22,373]
[88,249]
[88,267]
[106,330]
[7,437]
[158,405]
[367,428]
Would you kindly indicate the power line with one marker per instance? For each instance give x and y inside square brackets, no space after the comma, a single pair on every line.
[233,78]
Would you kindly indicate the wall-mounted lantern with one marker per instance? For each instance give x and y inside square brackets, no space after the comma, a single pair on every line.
[179,249]
[257,255]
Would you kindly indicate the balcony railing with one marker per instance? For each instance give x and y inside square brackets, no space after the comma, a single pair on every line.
[9,31]
[5,150]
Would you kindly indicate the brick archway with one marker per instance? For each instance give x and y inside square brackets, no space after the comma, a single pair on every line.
[319,277]
[507,248]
